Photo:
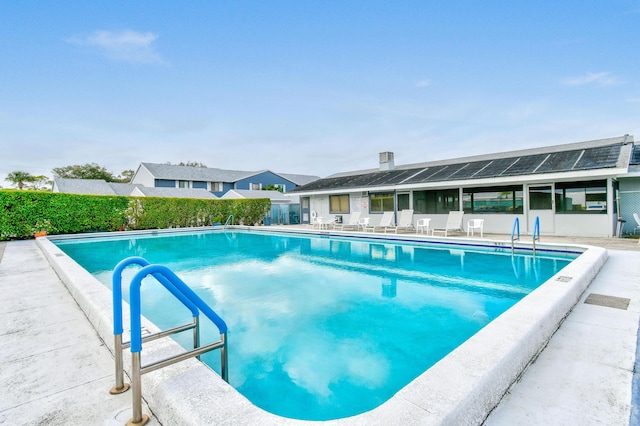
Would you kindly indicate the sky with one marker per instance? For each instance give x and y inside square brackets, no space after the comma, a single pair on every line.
[309,87]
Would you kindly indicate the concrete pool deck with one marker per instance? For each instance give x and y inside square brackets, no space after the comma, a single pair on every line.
[57,370]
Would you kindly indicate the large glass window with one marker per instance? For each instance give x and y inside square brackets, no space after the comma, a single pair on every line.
[381,202]
[339,203]
[436,202]
[183,184]
[581,197]
[540,198]
[505,199]
[403,202]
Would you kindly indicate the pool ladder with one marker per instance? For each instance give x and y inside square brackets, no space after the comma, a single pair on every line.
[188,298]
[516,231]
[230,218]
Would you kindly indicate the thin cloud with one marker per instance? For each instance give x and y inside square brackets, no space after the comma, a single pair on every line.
[423,83]
[123,46]
[592,78]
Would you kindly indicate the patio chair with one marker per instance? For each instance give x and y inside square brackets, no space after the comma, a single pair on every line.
[385,222]
[320,222]
[405,222]
[423,225]
[475,224]
[314,217]
[454,223]
[637,218]
[354,220]
[363,224]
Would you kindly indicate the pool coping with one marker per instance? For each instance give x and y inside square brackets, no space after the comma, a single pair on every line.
[462,388]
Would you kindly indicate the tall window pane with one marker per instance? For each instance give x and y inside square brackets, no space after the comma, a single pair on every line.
[581,197]
[339,203]
[540,198]
[507,199]
[381,202]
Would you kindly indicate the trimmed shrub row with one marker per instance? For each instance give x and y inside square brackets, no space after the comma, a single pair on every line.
[25,213]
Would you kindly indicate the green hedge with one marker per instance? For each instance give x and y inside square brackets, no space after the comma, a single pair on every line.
[24,213]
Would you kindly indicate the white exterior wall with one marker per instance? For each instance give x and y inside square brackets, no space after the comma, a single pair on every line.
[585,225]
[144,177]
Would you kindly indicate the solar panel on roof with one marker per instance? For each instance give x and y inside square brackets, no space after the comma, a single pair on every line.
[591,158]
[605,156]
[469,170]
[524,165]
[420,177]
[635,156]
[494,168]
[559,162]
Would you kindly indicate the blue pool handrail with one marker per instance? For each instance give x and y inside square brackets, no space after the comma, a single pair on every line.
[182,292]
[230,218]
[116,282]
[172,278]
[536,233]
[118,343]
[516,228]
[137,370]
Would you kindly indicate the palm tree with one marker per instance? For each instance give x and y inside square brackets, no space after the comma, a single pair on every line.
[19,178]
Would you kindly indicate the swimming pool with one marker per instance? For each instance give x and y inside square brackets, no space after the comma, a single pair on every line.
[337,325]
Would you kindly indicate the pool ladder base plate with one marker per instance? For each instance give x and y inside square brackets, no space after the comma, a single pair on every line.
[143,421]
[118,391]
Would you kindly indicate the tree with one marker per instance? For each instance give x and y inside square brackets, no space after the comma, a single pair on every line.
[272,187]
[85,171]
[19,178]
[189,164]
[125,176]
[41,183]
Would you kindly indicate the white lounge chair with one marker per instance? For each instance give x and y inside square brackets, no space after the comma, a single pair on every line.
[386,221]
[405,223]
[454,223]
[354,220]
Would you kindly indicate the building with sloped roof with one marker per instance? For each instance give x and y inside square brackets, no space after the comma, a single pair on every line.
[571,189]
[217,181]
[102,187]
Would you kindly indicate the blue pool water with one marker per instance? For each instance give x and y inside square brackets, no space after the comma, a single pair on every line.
[324,328]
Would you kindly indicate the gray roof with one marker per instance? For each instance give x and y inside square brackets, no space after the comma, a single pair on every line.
[101,187]
[591,155]
[299,179]
[209,174]
[92,187]
[202,174]
[175,192]
[274,196]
